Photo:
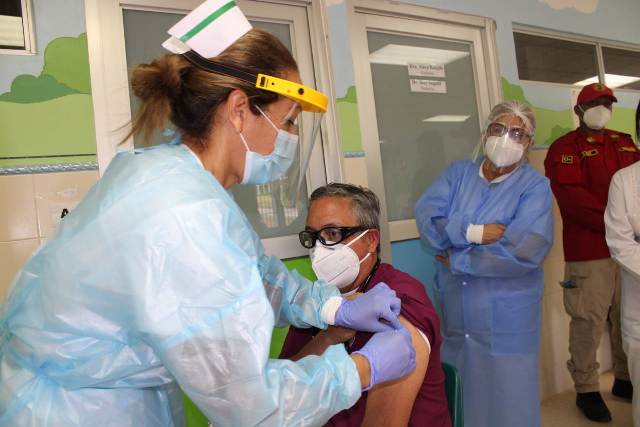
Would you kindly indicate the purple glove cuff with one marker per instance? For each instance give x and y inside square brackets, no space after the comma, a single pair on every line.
[371,370]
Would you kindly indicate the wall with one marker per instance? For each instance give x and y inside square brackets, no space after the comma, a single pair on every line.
[552,105]
[45,109]
[46,113]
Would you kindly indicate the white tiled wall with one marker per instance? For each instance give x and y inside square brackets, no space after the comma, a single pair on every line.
[30,207]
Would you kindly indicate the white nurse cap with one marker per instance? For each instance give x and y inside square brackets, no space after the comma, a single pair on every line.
[209,29]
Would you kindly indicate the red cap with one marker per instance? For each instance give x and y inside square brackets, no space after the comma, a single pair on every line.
[593,91]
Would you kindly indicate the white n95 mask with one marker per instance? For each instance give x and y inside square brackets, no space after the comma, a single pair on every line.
[338,265]
[503,151]
[596,117]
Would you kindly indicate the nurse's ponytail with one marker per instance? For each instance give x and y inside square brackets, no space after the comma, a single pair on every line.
[156,84]
[170,88]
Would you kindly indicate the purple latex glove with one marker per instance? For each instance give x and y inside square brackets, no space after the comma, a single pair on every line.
[375,311]
[390,354]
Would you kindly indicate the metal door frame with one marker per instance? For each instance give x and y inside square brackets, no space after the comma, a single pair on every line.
[388,16]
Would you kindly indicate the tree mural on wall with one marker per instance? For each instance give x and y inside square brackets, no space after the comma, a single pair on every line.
[27,88]
[48,118]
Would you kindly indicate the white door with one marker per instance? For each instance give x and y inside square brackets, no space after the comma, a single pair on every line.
[424,91]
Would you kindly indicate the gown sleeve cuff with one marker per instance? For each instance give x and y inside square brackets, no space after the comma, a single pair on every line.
[329,310]
[474,233]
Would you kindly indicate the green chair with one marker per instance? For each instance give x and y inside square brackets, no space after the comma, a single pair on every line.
[453,388]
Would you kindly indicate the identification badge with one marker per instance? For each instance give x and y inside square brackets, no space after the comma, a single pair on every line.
[567,159]
[629,149]
[589,153]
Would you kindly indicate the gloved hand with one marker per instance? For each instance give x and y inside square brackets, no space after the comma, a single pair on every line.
[390,354]
[375,311]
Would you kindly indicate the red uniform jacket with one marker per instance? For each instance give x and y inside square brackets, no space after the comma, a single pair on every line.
[430,407]
[580,168]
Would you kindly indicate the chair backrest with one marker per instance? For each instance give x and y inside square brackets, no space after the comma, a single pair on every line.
[453,387]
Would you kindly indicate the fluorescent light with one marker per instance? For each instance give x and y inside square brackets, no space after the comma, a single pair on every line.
[613,80]
[446,118]
[396,54]
[11,31]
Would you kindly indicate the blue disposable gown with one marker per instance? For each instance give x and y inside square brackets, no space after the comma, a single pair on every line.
[157,280]
[491,294]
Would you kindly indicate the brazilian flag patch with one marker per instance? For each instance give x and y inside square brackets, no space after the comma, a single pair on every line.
[567,159]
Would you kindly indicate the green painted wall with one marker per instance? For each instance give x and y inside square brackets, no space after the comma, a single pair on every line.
[59,126]
[48,118]
[347,106]
[552,124]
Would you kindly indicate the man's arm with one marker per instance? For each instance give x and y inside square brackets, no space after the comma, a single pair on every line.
[390,404]
[323,340]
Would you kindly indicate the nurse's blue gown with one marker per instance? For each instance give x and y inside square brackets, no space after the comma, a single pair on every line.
[157,280]
[491,294]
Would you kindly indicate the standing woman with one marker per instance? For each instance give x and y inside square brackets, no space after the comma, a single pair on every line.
[156,280]
[491,221]
[622,225]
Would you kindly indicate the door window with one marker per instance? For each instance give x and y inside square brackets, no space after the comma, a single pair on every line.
[266,206]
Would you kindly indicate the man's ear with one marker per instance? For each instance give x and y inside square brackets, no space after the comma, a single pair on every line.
[578,111]
[373,240]
[237,109]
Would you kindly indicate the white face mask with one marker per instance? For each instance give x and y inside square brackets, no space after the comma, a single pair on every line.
[596,117]
[502,150]
[339,265]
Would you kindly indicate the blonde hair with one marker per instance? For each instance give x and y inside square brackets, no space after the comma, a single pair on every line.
[172,88]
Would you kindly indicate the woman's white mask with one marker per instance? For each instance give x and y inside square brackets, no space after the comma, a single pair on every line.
[503,151]
[338,265]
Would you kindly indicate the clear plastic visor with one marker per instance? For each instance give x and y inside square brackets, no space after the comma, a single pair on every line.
[504,147]
[307,127]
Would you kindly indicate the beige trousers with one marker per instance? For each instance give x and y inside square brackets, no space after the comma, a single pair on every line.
[592,303]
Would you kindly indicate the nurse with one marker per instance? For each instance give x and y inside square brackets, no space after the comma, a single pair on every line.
[491,222]
[156,280]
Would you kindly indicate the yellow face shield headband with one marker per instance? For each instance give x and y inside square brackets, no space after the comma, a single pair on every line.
[308,98]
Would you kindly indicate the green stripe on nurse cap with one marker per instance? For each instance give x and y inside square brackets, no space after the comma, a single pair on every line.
[208,29]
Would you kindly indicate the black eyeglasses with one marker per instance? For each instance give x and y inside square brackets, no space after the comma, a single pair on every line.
[498,129]
[328,236]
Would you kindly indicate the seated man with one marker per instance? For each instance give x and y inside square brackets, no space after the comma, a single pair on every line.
[343,233]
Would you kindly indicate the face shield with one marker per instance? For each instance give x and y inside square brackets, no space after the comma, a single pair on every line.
[304,119]
[504,146]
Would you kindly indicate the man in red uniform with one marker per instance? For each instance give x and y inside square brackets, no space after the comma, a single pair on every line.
[342,231]
[580,165]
